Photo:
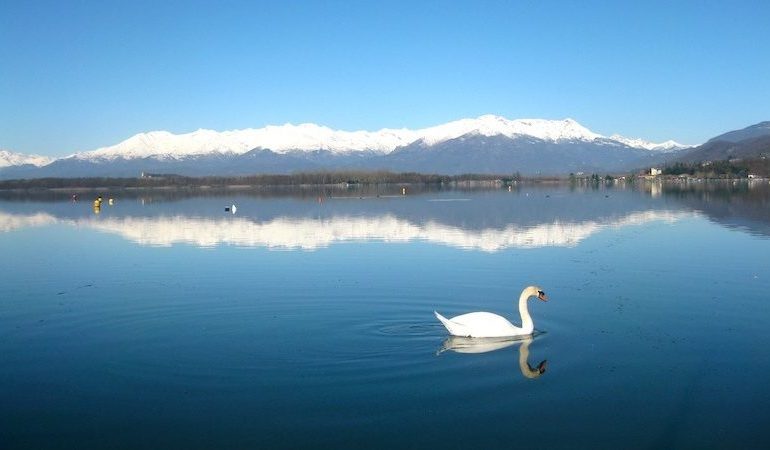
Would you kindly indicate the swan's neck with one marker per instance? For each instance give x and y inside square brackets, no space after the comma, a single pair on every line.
[524,366]
[526,320]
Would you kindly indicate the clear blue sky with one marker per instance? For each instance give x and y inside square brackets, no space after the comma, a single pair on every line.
[78,75]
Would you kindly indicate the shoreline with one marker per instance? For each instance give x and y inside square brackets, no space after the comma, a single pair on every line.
[333,181]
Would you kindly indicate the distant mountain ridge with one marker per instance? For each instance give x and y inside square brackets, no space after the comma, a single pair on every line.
[311,137]
[747,143]
[486,144]
[8,158]
[753,131]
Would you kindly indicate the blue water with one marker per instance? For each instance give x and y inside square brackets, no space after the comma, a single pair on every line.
[305,322]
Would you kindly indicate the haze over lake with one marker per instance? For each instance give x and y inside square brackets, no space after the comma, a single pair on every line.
[305,319]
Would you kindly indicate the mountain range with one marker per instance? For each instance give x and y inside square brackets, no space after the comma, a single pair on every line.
[749,142]
[486,144]
[8,159]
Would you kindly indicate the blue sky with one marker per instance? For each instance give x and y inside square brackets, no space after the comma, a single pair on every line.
[78,75]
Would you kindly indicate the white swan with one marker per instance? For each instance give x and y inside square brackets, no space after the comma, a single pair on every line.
[484,324]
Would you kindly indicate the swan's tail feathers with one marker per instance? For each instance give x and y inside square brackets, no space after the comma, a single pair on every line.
[455,329]
[442,319]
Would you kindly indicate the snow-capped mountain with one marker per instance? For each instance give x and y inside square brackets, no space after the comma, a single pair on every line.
[278,139]
[668,146]
[8,158]
[490,125]
[311,137]
[486,144]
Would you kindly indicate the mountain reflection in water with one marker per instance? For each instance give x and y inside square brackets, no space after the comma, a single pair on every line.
[488,221]
[310,234]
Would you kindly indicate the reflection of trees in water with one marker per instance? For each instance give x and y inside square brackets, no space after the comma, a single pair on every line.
[739,204]
[467,208]
[743,204]
[725,189]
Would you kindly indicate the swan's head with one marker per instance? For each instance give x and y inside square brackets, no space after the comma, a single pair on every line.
[538,292]
[533,372]
[533,291]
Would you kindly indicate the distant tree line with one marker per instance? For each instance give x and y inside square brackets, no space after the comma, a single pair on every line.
[734,168]
[295,179]
[591,180]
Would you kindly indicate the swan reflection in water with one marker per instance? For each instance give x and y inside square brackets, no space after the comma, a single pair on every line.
[483,345]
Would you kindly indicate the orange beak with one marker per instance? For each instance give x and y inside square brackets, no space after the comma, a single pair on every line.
[541,296]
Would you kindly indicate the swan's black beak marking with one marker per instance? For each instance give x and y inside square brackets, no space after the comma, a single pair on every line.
[541,296]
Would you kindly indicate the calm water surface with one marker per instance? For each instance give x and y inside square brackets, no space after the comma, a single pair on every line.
[305,320]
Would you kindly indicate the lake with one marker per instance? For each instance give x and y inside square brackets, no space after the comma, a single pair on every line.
[305,319]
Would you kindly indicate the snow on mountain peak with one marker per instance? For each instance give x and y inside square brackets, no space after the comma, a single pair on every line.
[491,125]
[668,146]
[277,138]
[309,137]
[8,158]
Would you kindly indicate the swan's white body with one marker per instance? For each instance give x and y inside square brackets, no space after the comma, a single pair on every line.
[486,325]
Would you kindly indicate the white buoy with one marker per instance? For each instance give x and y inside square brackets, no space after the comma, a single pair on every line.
[233,209]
